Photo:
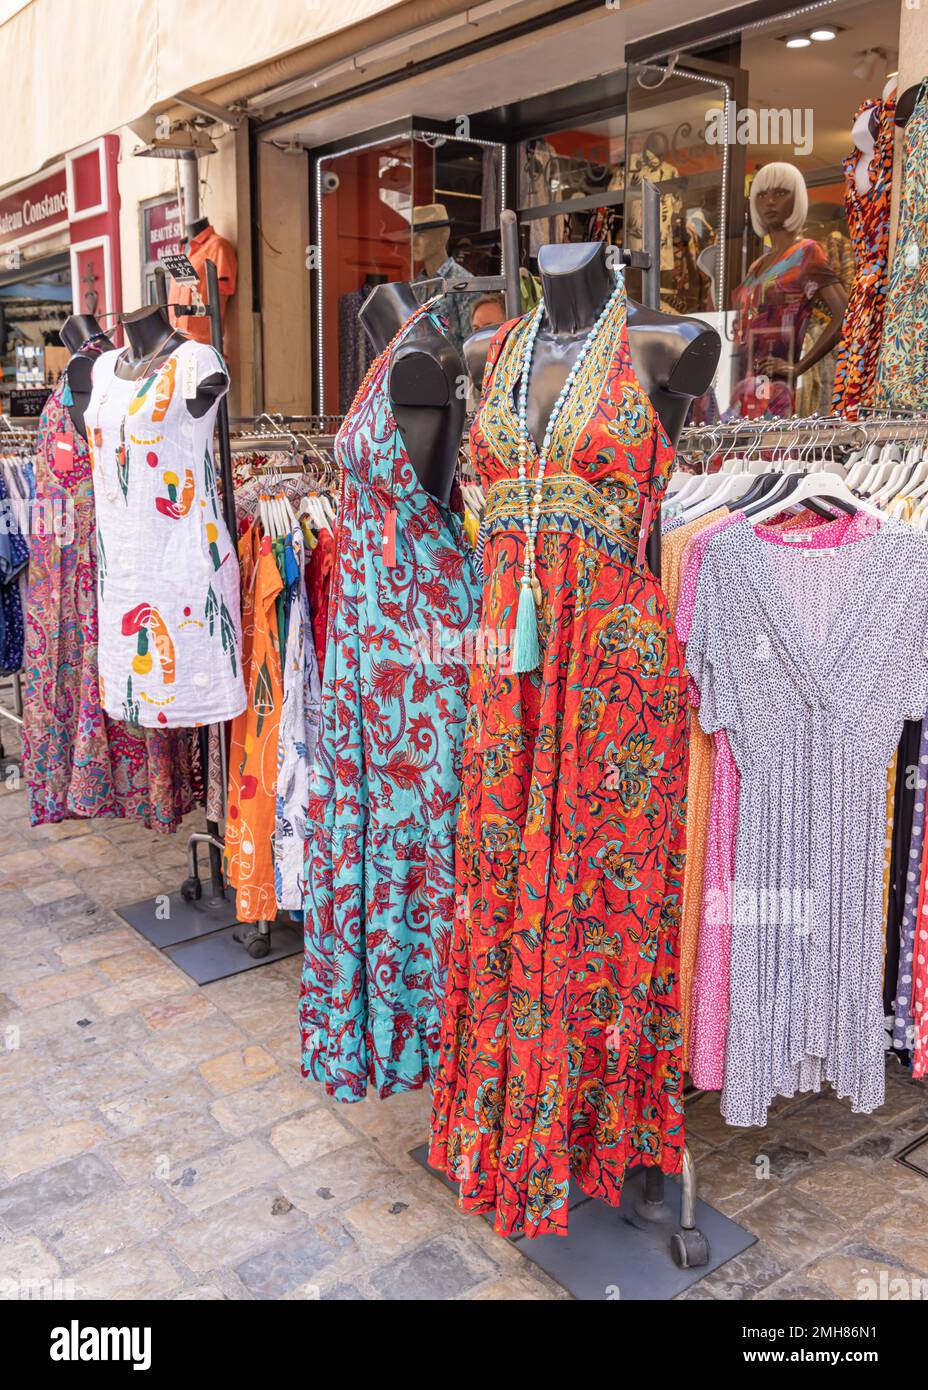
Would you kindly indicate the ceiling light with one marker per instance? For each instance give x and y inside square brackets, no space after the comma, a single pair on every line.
[798,41]
[823,34]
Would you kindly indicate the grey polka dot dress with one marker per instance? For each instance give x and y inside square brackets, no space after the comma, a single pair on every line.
[810,660]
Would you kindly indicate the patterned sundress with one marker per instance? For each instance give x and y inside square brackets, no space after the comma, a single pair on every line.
[254,739]
[561,1057]
[76,761]
[167,582]
[386,778]
[868,224]
[810,660]
[902,377]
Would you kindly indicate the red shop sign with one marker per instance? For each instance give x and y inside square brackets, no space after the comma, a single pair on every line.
[35,208]
[162,234]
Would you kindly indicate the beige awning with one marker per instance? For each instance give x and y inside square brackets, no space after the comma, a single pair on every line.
[77,71]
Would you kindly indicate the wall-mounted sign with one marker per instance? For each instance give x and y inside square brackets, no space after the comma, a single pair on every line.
[162,233]
[34,209]
[28,403]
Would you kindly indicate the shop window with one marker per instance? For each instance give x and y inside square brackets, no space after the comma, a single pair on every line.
[400,208]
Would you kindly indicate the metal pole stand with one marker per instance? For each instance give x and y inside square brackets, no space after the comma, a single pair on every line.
[15,716]
[648,1207]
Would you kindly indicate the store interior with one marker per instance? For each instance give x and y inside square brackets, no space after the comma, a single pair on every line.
[644,121]
[34,303]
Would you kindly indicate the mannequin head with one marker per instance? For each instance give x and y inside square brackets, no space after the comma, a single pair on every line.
[430,244]
[779,201]
[489,311]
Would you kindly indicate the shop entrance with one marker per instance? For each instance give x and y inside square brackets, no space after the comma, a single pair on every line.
[34,303]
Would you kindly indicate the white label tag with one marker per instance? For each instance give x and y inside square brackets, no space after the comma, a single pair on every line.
[189,380]
[911,256]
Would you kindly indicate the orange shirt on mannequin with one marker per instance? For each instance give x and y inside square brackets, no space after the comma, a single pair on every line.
[207,245]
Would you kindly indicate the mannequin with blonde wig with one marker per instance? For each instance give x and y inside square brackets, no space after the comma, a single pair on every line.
[774,302]
[788,177]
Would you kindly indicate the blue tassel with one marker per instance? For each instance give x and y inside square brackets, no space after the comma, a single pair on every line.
[526,655]
[66,397]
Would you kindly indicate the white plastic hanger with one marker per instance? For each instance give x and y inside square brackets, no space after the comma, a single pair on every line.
[819,485]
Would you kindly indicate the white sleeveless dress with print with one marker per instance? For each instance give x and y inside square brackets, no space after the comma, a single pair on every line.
[168,577]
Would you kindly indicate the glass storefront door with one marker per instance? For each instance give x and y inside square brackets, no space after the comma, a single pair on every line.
[367,200]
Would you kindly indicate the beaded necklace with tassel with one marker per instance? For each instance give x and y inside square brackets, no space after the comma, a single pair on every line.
[527,655]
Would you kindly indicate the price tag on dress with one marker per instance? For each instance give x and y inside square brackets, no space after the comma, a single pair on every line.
[64,453]
[189,379]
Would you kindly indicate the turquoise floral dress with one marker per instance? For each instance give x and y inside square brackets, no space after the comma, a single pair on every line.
[383,796]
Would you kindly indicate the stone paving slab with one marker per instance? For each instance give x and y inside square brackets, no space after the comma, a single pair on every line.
[158,1141]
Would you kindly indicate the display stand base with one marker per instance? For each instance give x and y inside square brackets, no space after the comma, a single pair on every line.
[198,936]
[218,956]
[606,1257]
[169,920]
[915,1156]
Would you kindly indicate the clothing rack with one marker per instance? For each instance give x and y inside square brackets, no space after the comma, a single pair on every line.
[252,431]
[802,432]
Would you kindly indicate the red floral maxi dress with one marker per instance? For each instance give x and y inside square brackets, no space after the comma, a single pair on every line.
[561,1050]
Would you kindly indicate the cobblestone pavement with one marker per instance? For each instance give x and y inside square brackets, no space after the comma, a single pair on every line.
[157,1141]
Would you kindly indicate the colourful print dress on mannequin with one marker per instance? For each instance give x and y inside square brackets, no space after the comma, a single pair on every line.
[774,301]
[902,377]
[774,307]
[385,781]
[868,223]
[168,584]
[77,762]
[561,1044]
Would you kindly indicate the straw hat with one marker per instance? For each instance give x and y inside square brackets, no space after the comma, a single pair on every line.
[425,218]
[429,216]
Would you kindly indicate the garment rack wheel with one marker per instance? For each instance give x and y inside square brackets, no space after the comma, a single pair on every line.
[689,1248]
[191,890]
[256,939]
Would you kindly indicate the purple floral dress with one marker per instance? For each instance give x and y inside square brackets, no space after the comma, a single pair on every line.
[77,762]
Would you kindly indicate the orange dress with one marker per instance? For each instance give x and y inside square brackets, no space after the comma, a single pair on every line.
[699,785]
[561,1041]
[249,839]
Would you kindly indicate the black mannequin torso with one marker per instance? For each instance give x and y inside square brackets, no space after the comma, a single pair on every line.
[425,385]
[905,105]
[674,358]
[194,228]
[76,331]
[152,339]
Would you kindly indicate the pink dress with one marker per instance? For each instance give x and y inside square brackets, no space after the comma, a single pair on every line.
[709,1018]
